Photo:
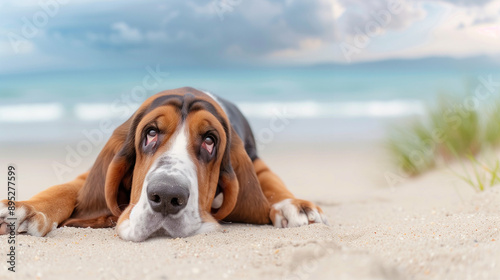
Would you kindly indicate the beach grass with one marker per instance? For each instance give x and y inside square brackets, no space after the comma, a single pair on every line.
[492,125]
[480,175]
[449,131]
[409,149]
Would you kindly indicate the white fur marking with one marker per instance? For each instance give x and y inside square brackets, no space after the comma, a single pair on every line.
[288,211]
[21,216]
[215,99]
[217,203]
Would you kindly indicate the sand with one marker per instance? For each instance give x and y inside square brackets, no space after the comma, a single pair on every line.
[431,227]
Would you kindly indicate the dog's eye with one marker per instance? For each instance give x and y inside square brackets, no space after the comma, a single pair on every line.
[208,144]
[151,139]
[152,133]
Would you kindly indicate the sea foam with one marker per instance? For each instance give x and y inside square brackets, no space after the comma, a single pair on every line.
[88,112]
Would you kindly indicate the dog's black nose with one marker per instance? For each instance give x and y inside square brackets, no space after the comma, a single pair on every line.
[167,196]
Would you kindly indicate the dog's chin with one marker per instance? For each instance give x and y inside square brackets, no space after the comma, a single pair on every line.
[153,226]
[177,231]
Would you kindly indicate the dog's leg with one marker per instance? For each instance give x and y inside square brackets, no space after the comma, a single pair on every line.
[286,210]
[44,211]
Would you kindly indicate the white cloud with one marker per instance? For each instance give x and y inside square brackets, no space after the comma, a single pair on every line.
[11,48]
[125,33]
[388,14]
[465,32]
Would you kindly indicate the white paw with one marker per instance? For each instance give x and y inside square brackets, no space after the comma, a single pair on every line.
[25,220]
[295,213]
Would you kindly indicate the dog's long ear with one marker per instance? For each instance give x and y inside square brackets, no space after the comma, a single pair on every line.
[243,197]
[229,184]
[110,178]
[120,170]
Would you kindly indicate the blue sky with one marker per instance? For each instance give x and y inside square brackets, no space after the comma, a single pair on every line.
[54,35]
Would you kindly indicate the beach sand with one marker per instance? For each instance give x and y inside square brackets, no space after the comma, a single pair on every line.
[430,227]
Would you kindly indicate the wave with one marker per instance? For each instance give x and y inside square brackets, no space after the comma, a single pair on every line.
[310,109]
[31,112]
[88,112]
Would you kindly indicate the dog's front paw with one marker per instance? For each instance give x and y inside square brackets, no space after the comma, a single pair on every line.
[295,213]
[24,219]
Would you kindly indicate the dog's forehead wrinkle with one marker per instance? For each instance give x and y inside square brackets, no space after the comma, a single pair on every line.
[165,100]
[183,102]
[186,104]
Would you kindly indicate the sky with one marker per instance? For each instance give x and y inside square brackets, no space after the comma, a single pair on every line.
[66,35]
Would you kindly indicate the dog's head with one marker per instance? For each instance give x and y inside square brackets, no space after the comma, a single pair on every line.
[172,173]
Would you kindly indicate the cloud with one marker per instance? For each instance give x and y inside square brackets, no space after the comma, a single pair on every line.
[468,3]
[389,14]
[129,33]
[481,15]
[125,33]
[484,20]
[192,30]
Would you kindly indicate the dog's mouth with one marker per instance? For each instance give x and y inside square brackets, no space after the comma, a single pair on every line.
[180,227]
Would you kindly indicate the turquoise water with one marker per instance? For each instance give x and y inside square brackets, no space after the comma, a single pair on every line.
[241,85]
[328,102]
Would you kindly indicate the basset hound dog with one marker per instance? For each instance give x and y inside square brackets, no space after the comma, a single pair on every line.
[184,161]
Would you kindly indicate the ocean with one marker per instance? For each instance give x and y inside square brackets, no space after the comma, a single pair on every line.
[296,104]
